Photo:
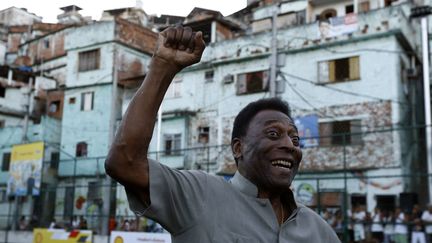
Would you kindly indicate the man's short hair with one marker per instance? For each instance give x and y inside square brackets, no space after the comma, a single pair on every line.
[242,120]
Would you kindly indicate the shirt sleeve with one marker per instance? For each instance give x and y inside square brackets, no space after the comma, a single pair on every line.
[177,198]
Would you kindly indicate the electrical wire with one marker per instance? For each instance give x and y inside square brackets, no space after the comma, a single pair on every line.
[315,83]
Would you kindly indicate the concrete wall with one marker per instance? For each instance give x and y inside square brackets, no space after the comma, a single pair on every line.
[87,126]
[17,16]
[14,99]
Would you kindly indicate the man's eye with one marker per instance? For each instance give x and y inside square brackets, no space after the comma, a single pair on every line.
[295,140]
[273,134]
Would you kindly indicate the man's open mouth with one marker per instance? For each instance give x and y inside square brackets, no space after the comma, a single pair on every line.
[282,163]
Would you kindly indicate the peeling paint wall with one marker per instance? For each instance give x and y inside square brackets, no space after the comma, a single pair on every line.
[135,36]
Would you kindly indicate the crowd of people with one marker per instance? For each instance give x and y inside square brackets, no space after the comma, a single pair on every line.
[382,225]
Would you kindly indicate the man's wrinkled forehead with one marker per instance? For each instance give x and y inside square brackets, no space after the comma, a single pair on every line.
[270,117]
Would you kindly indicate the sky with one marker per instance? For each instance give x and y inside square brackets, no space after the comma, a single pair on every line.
[49,9]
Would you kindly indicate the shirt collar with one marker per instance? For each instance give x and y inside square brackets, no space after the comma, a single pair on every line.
[244,185]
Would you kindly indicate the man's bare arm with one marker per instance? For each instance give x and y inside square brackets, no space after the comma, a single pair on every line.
[127,160]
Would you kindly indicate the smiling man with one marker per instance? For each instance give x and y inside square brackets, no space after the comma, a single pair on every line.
[257,205]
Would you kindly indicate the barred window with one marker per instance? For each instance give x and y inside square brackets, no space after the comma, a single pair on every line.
[88,60]
[346,132]
[172,144]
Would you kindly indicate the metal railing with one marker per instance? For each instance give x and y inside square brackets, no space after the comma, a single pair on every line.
[381,168]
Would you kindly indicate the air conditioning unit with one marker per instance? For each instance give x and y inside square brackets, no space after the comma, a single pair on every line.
[228,79]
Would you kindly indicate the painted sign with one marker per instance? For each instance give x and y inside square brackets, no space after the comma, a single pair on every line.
[139,237]
[61,236]
[337,26]
[25,169]
[305,194]
[307,127]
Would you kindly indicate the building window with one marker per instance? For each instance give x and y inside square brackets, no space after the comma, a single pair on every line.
[174,90]
[2,91]
[349,9]
[346,132]
[81,149]
[72,100]
[94,192]
[54,106]
[46,43]
[6,161]
[327,14]
[208,76]
[203,135]
[55,160]
[172,144]
[88,60]
[388,3]
[87,101]
[339,70]
[253,82]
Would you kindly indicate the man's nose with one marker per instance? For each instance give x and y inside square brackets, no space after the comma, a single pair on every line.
[287,142]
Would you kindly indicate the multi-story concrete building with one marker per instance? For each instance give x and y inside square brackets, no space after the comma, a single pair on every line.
[350,72]
[100,57]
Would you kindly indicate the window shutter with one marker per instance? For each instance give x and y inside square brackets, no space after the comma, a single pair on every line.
[241,84]
[325,132]
[356,136]
[323,72]
[331,71]
[354,68]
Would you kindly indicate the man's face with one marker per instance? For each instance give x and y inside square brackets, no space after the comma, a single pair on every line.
[270,151]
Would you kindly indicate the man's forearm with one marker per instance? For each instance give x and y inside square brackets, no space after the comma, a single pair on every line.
[138,123]
[128,153]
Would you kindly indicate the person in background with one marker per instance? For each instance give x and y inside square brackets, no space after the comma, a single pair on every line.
[417,233]
[22,224]
[377,228]
[401,228]
[388,221]
[75,222]
[83,223]
[427,221]
[338,224]
[53,224]
[359,217]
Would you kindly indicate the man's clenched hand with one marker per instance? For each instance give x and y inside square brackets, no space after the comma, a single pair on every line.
[180,46]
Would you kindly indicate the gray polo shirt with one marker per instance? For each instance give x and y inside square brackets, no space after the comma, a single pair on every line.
[198,208]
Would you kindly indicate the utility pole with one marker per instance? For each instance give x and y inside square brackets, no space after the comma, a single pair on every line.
[273,57]
[17,204]
[423,12]
[106,188]
[27,111]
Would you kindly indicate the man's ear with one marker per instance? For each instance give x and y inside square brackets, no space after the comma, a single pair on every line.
[236,148]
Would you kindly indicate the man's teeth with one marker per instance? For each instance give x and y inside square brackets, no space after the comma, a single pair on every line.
[282,163]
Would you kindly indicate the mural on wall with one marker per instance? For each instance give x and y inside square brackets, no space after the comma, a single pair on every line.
[305,193]
[25,169]
[308,130]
